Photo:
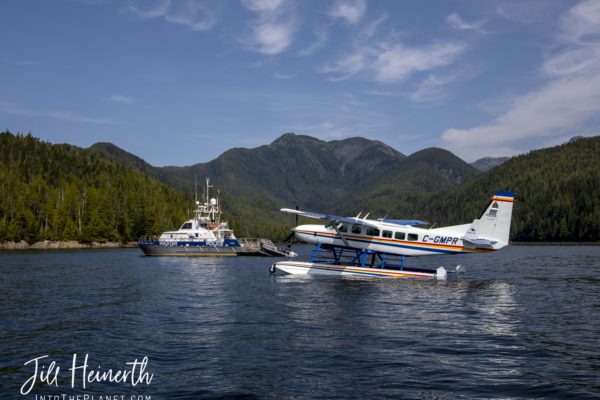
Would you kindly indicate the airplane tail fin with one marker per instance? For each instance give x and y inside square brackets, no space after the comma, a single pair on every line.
[492,229]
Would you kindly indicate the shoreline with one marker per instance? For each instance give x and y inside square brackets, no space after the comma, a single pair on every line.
[64,245]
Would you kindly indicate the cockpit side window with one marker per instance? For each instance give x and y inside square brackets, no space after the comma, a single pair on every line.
[373,232]
[187,225]
[400,235]
[343,228]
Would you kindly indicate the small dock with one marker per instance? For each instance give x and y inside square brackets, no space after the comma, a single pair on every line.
[258,247]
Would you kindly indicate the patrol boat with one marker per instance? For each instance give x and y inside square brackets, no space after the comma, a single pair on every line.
[203,235]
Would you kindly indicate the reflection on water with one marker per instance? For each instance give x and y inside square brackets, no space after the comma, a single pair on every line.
[521,323]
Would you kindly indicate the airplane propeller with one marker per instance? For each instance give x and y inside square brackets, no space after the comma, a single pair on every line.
[290,236]
[292,231]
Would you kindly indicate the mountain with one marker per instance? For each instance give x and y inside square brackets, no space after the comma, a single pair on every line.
[62,192]
[487,163]
[400,189]
[341,176]
[557,193]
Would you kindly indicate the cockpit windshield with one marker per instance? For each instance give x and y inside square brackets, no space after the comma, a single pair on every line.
[187,225]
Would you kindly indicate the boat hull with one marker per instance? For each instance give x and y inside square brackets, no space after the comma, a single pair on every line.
[308,268]
[187,251]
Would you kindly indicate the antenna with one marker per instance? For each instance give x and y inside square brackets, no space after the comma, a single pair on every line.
[196,189]
[365,217]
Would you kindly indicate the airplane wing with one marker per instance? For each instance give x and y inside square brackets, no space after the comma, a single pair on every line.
[405,222]
[330,218]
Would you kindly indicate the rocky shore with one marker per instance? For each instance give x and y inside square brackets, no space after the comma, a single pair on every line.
[68,244]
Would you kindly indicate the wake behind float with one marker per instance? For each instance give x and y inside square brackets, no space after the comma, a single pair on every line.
[361,246]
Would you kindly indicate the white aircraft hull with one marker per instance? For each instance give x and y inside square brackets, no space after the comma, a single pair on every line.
[308,268]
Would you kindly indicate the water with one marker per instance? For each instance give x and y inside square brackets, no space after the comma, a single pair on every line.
[523,322]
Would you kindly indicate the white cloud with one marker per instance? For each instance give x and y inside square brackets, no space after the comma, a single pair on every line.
[263,5]
[272,38]
[392,63]
[431,89]
[581,25]
[317,44]
[117,98]
[273,29]
[569,99]
[197,15]
[527,12]
[349,11]
[26,63]
[279,75]
[397,62]
[348,65]
[10,108]
[456,21]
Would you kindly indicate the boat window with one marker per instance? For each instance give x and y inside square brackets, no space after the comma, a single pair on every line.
[196,235]
[356,229]
[187,225]
[387,234]
[373,232]
[400,235]
[343,228]
[413,236]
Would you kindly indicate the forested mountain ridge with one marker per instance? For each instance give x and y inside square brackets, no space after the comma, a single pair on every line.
[339,176]
[557,193]
[62,192]
[302,170]
[487,163]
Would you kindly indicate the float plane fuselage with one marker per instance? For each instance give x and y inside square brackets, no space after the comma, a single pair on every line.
[488,233]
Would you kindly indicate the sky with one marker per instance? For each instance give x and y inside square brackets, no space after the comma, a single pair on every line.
[178,82]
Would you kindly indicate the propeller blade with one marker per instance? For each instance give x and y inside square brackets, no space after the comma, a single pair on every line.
[290,237]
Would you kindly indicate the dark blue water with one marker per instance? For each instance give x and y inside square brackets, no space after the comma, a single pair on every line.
[522,323]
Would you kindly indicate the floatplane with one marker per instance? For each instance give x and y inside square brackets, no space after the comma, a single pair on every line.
[377,247]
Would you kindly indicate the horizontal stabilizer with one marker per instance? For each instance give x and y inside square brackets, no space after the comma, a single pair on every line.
[479,243]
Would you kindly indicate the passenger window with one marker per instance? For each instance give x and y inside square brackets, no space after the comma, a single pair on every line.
[400,235]
[413,236]
[343,228]
[356,229]
[373,232]
[387,234]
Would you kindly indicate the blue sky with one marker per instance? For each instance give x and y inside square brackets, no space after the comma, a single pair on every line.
[179,82]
